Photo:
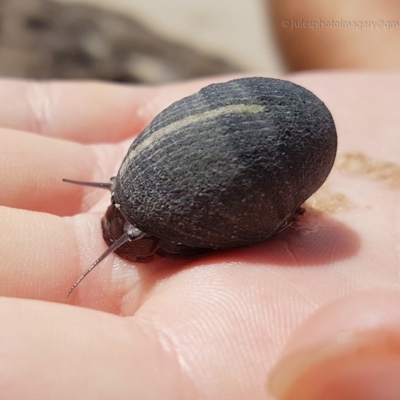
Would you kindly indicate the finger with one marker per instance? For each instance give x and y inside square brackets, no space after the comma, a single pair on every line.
[83,112]
[332,35]
[42,255]
[32,168]
[86,112]
[39,252]
[348,350]
[51,351]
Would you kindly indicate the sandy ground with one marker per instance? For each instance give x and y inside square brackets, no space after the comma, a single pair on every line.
[235,29]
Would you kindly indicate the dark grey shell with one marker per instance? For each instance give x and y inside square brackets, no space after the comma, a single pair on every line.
[228,166]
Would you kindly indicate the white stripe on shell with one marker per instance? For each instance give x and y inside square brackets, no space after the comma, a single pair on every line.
[189,120]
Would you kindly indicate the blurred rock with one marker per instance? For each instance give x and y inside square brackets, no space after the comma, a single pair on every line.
[42,39]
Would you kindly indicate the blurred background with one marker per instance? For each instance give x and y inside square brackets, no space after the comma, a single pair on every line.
[149,41]
[155,41]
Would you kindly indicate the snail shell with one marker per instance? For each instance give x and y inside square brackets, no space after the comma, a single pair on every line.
[226,167]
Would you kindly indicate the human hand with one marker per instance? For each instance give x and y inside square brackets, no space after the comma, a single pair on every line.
[209,327]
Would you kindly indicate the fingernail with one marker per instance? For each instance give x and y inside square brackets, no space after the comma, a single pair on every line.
[358,366]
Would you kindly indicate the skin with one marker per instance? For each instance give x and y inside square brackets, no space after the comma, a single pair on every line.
[211,327]
[373,46]
[349,349]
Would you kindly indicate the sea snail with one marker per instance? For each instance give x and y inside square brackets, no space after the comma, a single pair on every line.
[226,167]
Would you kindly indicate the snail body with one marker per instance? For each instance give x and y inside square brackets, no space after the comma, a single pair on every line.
[226,167]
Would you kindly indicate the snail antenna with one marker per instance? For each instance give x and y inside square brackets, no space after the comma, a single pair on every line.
[102,185]
[130,235]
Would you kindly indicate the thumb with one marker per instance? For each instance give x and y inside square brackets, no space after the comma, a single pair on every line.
[347,350]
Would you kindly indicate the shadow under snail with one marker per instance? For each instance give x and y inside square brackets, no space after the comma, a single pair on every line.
[226,167]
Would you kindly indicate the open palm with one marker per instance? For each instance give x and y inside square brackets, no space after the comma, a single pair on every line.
[210,327]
